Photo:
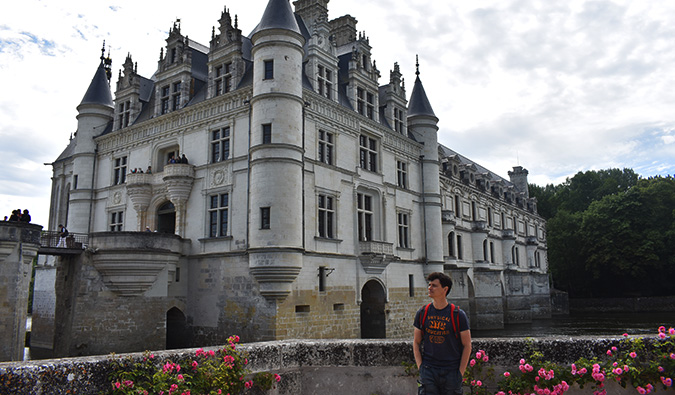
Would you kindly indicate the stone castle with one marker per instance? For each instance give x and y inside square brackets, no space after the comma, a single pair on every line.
[268,186]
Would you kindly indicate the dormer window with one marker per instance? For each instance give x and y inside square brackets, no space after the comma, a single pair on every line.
[124,113]
[398,120]
[173,55]
[165,99]
[324,80]
[223,79]
[175,96]
[365,102]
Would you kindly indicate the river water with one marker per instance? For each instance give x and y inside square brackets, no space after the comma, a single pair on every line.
[586,324]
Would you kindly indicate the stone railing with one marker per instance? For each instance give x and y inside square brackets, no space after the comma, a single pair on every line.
[308,366]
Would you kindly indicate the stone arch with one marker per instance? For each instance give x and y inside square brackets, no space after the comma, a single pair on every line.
[177,333]
[373,317]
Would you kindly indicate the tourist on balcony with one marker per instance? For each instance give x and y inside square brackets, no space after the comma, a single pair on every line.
[63,233]
[443,329]
[25,217]
[183,159]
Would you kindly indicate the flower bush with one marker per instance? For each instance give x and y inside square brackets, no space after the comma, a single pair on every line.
[630,363]
[209,372]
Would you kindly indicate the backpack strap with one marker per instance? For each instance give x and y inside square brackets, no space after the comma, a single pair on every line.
[455,327]
[424,318]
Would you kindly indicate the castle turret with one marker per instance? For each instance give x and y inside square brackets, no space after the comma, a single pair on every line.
[95,113]
[276,151]
[423,124]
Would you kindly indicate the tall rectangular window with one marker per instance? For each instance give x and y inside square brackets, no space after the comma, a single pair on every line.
[370,105]
[326,216]
[460,249]
[267,133]
[120,170]
[326,146]
[220,145]
[402,174]
[411,285]
[265,219]
[175,96]
[403,230]
[223,78]
[124,113]
[361,101]
[219,215]
[364,210]
[269,69]
[368,153]
[398,120]
[116,221]
[164,97]
[325,82]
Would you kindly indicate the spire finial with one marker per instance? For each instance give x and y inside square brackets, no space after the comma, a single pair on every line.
[417,65]
[103,52]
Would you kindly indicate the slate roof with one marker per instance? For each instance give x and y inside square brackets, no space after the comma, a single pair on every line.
[278,15]
[99,89]
[419,103]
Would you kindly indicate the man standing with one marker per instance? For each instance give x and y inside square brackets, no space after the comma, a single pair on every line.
[443,330]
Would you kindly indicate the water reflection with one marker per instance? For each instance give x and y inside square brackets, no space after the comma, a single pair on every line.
[586,324]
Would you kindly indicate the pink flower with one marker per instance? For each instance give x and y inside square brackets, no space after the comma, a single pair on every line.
[522,362]
[500,393]
[609,352]
[277,377]
[662,329]
[117,384]
[220,391]
[583,371]
[672,355]
[472,362]
[507,374]
[479,383]
[662,335]
[641,390]
[625,335]
[671,331]
[248,384]
[485,358]
[661,369]
[479,355]
[614,348]
[180,377]
[633,354]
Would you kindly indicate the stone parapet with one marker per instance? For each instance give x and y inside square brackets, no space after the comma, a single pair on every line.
[333,366]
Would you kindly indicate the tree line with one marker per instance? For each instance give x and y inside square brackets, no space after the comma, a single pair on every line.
[610,233]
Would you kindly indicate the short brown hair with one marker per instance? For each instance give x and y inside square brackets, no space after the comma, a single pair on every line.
[442,278]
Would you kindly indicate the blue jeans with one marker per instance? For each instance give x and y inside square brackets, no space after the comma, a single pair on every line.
[439,381]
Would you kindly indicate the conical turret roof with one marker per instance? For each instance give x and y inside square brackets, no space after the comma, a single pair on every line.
[99,90]
[278,15]
[419,103]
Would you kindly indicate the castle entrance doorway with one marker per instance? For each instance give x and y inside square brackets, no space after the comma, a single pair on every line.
[372,311]
[177,335]
[166,218]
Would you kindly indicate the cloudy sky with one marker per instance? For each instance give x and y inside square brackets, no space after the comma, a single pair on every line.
[556,86]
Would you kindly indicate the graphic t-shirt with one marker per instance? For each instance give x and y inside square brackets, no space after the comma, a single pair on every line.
[441,348]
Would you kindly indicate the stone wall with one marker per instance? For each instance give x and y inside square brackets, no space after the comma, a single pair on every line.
[307,367]
[19,243]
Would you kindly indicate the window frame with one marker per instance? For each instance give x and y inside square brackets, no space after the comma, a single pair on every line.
[116,221]
[326,216]
[365,216]
[326,148]
[265,218]
[402,174]
[403,228]
[268,69]
[120,170]
[220,145]
[368,153]
[266,133]
[217,212]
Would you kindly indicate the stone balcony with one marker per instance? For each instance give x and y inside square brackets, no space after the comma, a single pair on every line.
[375,255]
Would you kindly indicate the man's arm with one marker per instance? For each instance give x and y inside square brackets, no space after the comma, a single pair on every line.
[466,353]
[417,341]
